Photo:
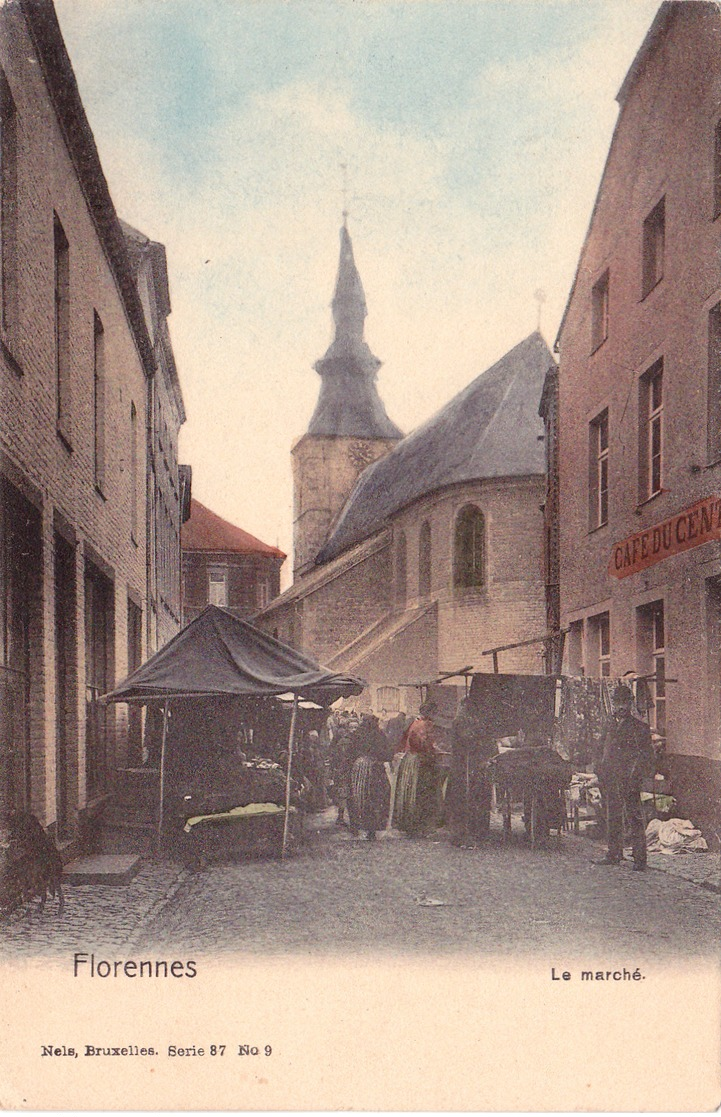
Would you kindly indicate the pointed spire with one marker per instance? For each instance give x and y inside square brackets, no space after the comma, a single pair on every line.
[348,403]
[349,303]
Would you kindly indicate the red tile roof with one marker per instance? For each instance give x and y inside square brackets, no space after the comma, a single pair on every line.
[205,531]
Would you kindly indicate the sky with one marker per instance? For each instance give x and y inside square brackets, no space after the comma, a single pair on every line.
[474,134]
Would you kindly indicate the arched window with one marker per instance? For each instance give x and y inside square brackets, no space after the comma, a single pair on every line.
[469,549]
[424,560]
[401,565]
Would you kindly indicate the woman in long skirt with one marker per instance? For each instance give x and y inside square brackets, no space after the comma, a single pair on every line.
[416,807]
[369,799]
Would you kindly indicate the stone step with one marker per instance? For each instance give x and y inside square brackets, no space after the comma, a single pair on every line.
[102,868]
[127,836]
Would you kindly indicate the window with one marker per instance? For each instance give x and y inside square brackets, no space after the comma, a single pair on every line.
[401,568]
[713,406]
[218,588]
[62,330]
[99,400]
[263,592]
[598,472]
[651,432]
[651,638]
[133,473]
[654,244]
[424,560]
[599,636]
[8,206]
[599,312]
[469,549]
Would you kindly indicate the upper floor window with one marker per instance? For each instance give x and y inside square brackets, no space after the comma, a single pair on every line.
[99,400]
[62,328]
[8,206]
[651,431]
[713,401]
[218,587]
[599,312]
[654,247]
[598,460]
[401,568]
[424,560]
[469,549]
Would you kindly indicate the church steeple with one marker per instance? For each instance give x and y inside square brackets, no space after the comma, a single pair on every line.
[349,429]
[348,402]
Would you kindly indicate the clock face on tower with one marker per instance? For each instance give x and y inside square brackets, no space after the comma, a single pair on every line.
[361,454]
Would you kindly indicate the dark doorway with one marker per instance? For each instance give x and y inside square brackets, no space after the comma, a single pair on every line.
[99,668]
[66,688]
[135,658]
[20,603]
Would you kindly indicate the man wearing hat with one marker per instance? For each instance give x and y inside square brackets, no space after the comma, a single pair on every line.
[628,757]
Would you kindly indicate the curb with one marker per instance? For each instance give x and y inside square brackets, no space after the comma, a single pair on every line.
[158,906]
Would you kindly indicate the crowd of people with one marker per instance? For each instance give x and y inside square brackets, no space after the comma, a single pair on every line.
[400,768]
[406,771]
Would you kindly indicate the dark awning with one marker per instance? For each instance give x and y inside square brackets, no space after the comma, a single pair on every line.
[217,654]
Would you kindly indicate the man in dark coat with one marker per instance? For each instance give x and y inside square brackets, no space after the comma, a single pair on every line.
[470,787]
[628,757]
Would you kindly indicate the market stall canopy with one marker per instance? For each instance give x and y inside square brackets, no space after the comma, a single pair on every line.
[217,654]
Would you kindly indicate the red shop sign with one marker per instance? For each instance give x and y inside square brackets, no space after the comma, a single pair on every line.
[695,525]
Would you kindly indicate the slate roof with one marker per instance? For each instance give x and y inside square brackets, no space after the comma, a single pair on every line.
[206,531]
[490,429]
[348,402]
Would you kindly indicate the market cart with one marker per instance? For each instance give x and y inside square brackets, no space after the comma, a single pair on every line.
[537,777]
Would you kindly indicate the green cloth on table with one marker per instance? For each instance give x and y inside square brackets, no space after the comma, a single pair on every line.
[251,811]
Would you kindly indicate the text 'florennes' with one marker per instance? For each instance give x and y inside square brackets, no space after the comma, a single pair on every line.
[88,965]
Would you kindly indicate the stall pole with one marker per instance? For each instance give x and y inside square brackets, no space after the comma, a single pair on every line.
[291,740]
[162,770]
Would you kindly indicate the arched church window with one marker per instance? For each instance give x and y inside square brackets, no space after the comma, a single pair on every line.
[401,568]
[469,549]
[424,560]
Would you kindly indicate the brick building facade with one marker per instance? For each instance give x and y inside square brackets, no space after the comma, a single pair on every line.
[640,405]
[431,551]
[75,361]
[226,566]
[168,494]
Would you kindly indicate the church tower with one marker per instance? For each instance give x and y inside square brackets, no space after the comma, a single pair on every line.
[349,428]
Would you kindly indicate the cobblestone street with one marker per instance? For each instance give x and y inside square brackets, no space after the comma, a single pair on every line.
[106,916]
[342,894]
